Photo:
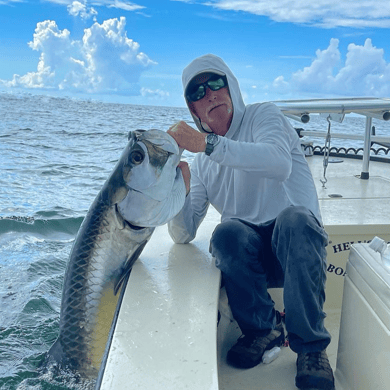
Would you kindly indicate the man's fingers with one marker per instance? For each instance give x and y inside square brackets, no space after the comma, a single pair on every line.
[187,137]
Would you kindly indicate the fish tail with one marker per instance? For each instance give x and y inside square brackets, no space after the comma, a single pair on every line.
[55,353]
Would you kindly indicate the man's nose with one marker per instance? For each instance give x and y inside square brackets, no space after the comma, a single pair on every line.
[210,94]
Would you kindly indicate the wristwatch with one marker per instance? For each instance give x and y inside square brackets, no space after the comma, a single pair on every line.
[211,141]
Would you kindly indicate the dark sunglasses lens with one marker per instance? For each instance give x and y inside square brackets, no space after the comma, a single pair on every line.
[197,93]
[216,83]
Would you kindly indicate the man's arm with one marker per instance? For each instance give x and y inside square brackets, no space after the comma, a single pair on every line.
[269,153]
[183,227]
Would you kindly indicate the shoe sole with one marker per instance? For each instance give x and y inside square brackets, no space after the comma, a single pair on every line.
[319,384]
[315,388]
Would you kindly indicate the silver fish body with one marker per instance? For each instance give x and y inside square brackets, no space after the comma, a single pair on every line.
[110,240]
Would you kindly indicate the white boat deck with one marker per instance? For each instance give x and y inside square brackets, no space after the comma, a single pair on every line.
[362,201]
[166,334]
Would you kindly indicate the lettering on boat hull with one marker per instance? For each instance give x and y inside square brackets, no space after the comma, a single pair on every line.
[344,246]
[336,270]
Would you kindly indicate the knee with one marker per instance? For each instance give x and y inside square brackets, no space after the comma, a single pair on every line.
[297,226]
[225,238]
[236,248]
[294,218]
[235,241]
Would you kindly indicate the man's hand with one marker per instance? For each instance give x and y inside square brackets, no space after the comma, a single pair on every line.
[187,137]
[185,170]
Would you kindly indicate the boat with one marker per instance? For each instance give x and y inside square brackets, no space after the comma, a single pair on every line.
[173,325]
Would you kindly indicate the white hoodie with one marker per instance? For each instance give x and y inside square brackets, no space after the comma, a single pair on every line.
[256,170]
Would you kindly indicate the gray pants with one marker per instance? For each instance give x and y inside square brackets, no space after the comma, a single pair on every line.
[288,252]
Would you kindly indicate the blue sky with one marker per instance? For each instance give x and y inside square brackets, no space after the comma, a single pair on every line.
[134,52]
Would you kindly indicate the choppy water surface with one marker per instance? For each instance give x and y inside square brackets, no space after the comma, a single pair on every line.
[55,154]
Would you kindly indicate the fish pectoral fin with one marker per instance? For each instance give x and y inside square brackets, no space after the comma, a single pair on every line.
[126,269]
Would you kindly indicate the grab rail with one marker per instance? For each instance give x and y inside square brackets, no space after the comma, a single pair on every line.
[378,108]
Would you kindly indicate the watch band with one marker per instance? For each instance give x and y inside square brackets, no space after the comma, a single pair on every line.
[211,141]
[209,149]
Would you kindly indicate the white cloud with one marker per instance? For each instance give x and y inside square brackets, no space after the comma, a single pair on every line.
[104,61]
[154,93]
[81,9]
[320,70]
[324,13]
[124,5]
[364,72]
[10,2]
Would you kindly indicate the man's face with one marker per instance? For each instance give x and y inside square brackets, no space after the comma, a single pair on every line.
[215,109]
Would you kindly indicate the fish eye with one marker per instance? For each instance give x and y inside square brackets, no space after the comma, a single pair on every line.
[136,157]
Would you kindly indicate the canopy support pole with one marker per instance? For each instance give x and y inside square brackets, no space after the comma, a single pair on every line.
[365,175]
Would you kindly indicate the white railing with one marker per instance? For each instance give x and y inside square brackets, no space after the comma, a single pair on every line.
[336,109]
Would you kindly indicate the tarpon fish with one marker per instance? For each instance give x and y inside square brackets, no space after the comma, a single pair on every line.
[145,190]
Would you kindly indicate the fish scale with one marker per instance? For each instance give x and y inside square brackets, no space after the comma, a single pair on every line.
[106,248]
[102,241]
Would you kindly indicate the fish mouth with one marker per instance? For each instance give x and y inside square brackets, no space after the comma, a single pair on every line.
[124,222]
[134,227]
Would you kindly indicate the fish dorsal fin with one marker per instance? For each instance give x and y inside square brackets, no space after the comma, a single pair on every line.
[126,269]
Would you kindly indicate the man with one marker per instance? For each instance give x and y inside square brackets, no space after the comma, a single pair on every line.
[250,167]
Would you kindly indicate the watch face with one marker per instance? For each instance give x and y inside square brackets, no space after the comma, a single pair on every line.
[212,139]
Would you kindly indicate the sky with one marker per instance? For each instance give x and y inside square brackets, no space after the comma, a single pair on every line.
[134,52]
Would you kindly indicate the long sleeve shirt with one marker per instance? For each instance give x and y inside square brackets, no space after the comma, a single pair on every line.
[253,176]
[255,171]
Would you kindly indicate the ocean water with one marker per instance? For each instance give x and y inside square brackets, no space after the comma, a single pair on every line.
[55,154]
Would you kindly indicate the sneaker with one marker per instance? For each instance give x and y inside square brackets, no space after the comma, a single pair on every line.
[314,371]
[250,347]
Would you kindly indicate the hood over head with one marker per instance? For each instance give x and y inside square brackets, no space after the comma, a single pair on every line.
[212,63]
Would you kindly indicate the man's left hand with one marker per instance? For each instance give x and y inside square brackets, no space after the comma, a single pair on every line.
[187,137]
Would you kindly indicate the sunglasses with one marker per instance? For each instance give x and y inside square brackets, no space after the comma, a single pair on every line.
[198,91]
